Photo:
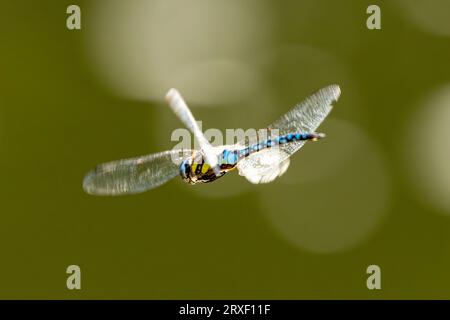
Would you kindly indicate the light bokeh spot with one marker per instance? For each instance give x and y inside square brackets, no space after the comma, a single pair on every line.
[431,16]
[341,209]
[327,155]
[427,149]
[296,71]
[142,48]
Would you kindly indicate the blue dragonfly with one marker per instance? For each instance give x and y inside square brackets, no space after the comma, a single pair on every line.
[260,160]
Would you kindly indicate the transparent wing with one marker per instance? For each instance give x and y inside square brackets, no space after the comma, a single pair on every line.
[180,108]
[304,117]
[264,166]
[134,175]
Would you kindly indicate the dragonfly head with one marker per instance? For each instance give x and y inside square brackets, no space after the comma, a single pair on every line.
[196,170]
[185,169]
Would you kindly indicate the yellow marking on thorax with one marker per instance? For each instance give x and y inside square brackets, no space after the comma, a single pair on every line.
[205,168]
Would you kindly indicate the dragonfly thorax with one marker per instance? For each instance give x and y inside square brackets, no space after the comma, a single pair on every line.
[195,169]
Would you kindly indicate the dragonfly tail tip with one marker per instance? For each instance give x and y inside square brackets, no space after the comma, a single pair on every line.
[317,136]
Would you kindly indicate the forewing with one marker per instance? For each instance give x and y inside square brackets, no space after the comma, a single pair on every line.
[134,175]
[180,108]
[304,117]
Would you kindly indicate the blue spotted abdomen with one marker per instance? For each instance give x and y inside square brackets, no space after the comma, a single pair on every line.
[233,156]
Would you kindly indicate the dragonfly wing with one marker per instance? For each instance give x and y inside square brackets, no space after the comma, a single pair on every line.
[306,116]
[180,108]
[134,175]
[264,166]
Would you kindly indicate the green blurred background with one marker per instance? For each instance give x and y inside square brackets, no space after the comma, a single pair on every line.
[374,192]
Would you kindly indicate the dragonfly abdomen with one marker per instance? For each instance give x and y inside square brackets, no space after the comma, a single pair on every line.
[280,140]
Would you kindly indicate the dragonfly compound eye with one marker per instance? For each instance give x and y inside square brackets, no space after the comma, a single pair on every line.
[185,169]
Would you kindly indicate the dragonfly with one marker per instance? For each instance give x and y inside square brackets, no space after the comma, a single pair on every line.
[259,160]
